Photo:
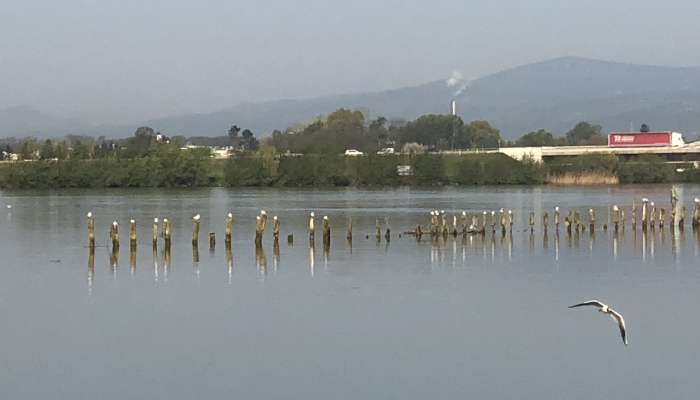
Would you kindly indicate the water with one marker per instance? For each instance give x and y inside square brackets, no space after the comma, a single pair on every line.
[481,319]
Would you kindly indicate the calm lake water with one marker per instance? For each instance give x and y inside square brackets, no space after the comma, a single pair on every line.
[399,320]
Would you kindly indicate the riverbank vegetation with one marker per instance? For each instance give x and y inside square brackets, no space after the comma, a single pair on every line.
[312,155]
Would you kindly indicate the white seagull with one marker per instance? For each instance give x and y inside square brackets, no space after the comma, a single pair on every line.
[604,308]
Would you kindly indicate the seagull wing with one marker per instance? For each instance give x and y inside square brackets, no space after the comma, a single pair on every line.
[594,303]
[621,324]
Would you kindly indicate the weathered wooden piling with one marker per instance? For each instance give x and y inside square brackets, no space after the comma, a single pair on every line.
[228,229]
[475,222]
[591,220]
[652,215]
[212,241]
[464,220]
[484,223]
[645,214]
[91,230]
[531,221]
[616,218]
[662,218]
[387,230]
[634,216]
[696,213]
[419,232]
[195,229]
[568,221]
[348,233]
[114,235]
[259,230]
[493,221]
[681,219]
[312,229]
[444,225]
[275,230]
[377,229]
[557,217]
[326,232]
[545,222]
[154,233]
[167,234]
[132,235]
[577,221]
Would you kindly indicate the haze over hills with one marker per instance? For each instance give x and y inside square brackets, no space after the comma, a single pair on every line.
[553,95]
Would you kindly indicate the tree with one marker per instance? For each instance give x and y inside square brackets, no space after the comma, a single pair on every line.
[536,138]
[28,149]
[233,131]
[585,134]
[46,152]
[484,135]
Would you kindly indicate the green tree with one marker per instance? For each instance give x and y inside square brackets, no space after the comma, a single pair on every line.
[47,152]
[28,149]
[585,134]
[484,135]
[536,138]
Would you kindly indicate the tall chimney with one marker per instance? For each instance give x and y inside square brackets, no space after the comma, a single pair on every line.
[454,107]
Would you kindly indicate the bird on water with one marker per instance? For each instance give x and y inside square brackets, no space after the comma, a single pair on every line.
[605,309]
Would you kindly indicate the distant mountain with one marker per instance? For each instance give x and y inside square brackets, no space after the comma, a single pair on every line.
[24,121]
[552,95]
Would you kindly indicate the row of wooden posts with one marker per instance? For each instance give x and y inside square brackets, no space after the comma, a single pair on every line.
[651,217]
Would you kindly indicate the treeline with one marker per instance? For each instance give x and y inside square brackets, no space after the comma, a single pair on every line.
[583,134]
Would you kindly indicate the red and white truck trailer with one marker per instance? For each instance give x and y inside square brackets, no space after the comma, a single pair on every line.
[645,139]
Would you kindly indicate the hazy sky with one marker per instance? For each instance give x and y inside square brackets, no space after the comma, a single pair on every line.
[120,61]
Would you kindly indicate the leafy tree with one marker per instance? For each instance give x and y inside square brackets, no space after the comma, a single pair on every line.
[46,152]
[585,134]
[536,138]
[233,131]
[28,149]
[484,135]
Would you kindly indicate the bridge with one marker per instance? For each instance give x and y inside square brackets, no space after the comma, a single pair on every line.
[687,152]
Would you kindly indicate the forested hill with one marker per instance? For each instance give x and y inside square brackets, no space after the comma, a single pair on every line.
[552,95]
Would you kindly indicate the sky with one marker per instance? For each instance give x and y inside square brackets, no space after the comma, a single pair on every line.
[112,62]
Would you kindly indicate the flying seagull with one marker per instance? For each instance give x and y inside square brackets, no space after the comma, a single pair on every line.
[604,308]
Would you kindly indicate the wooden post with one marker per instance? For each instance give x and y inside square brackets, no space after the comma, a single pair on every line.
[312,229]
[503,220]
[275,230]
[377,230]
[567,222]
[484,223]
[132,235]
[195,230]
[510,221]
[154,232]
[419,232]
[545,221]
[258,230]
[591,220]
[348,234]
[645,214]
[577,220]
[662,218]
[681,219]
[652,216]
[556,217]
[167,234]
[531,221]
[465,223]
[672,218]
[475,222]
[114,236]
[212,241]
[228,230]
[387,232]
[263,219]
[443,224]
[326,232]
[634,216]
[454,225]
[91,230]
[493,221]
[616,218]
[696,213]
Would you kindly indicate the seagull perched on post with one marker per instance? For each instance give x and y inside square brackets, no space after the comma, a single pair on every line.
[604,308]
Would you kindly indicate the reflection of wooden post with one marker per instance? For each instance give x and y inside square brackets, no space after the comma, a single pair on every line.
[114,236]
[377,230]
[312,229]
[195,230]
[91,230]
[681,219]
[154,232]
[132,235]
[228,230]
